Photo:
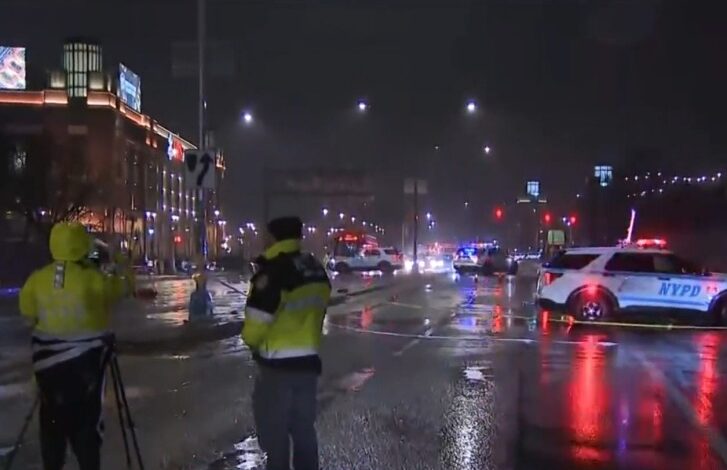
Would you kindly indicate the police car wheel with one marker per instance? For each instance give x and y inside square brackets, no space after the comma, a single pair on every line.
[385,267]
[592,307]
[342,268]
[719,314]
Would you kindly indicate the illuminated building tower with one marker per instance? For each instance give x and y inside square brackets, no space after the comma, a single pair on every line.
[82,62]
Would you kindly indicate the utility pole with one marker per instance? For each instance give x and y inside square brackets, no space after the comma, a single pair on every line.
[415,266]
[202,205]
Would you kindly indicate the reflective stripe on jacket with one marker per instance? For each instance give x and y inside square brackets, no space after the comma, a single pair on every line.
[286,307]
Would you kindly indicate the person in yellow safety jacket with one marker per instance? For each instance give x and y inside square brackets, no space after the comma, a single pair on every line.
[69,302]
[283,322]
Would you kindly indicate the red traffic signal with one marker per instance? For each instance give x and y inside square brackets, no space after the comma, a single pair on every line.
[499,213]
[573,220]
[547,218]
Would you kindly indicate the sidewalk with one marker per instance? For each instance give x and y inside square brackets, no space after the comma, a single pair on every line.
[158,325]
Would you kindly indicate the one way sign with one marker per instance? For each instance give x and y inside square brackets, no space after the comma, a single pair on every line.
[199,165]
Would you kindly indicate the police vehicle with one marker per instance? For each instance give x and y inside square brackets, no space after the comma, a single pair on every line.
[484,258]
[594,283]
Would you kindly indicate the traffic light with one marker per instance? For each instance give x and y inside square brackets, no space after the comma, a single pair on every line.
[573,220]
[499,213]
[177,239]
[547,218]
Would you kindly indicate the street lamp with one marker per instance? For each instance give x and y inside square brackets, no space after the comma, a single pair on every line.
[325,212]
[429,216]
[247,117]
[471,106]
[341,215]
[362,106]
[487,149]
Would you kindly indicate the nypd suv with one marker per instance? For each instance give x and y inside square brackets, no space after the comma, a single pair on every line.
[594,283]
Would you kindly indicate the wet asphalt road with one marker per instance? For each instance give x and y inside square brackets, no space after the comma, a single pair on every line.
[453,374]
[445,373]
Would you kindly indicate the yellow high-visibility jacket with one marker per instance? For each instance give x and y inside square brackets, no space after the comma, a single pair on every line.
[286,307]
[69,301]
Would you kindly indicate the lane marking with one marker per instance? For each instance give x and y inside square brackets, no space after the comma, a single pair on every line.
[414,342]
[570,320]
[401,304]
[716,439]
[422,336]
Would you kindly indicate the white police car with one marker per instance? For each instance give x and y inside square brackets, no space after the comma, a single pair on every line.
[594,283]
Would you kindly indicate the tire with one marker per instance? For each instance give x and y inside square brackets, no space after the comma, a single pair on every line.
[385,267]
[719,313]
[342,268]
[592,307]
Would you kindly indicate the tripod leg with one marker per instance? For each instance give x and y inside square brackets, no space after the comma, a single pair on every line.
[129,420]
[119,406]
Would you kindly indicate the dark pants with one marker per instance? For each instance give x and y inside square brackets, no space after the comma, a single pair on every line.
[70,410]
[284,405]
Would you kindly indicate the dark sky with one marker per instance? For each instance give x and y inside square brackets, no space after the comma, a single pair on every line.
[561,84]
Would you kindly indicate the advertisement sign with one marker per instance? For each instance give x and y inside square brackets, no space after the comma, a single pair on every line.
[12,68]
[129,88]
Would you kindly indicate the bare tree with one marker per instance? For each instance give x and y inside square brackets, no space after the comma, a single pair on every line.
[49,182]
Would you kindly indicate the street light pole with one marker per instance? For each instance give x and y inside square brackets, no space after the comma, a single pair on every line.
[202,212]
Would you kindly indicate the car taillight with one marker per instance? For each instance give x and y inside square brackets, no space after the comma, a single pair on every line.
[549,277]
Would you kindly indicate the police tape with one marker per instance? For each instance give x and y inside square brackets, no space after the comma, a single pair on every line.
[571,320]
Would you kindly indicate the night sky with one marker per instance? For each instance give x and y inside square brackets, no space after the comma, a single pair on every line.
[561,85]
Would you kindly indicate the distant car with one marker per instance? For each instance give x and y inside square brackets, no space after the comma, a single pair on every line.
[594,283]
[466,260]
[386,259]
[496,261]
[487,261]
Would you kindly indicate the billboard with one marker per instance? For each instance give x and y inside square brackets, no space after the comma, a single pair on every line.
[129,88]
[12,68]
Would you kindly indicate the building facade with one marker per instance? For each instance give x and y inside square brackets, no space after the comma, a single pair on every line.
[87,155]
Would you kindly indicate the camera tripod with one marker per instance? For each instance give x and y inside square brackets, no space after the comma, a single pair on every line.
[122,406]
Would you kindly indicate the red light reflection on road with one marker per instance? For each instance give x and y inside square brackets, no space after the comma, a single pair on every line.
[367,317]
[545,323]
[707,376]
[589,400]
[497,320]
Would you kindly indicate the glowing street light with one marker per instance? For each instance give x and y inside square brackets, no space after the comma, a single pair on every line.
[325,212]
[429,216]
[247,117]
[487,149]
[362,106]
[471,106]
[341,215]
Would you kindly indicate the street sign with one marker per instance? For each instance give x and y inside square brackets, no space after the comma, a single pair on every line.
[421,186]
[199,166]
[556,237]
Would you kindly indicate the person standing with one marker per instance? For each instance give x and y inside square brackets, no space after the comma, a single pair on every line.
[283,322]
[68,302]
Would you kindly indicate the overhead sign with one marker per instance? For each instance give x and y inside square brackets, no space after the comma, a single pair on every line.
[199,166]
[328,182]
[413,185]
[129,88]
[12,68]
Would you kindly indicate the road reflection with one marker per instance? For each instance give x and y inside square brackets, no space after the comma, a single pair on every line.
[589,398]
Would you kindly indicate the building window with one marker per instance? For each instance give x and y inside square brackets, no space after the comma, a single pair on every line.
[533,188]
[18,160]
[604,174]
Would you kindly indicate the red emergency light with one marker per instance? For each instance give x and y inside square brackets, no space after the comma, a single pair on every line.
[651,243]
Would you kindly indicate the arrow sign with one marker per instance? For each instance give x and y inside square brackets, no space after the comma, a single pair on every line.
[199,166]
